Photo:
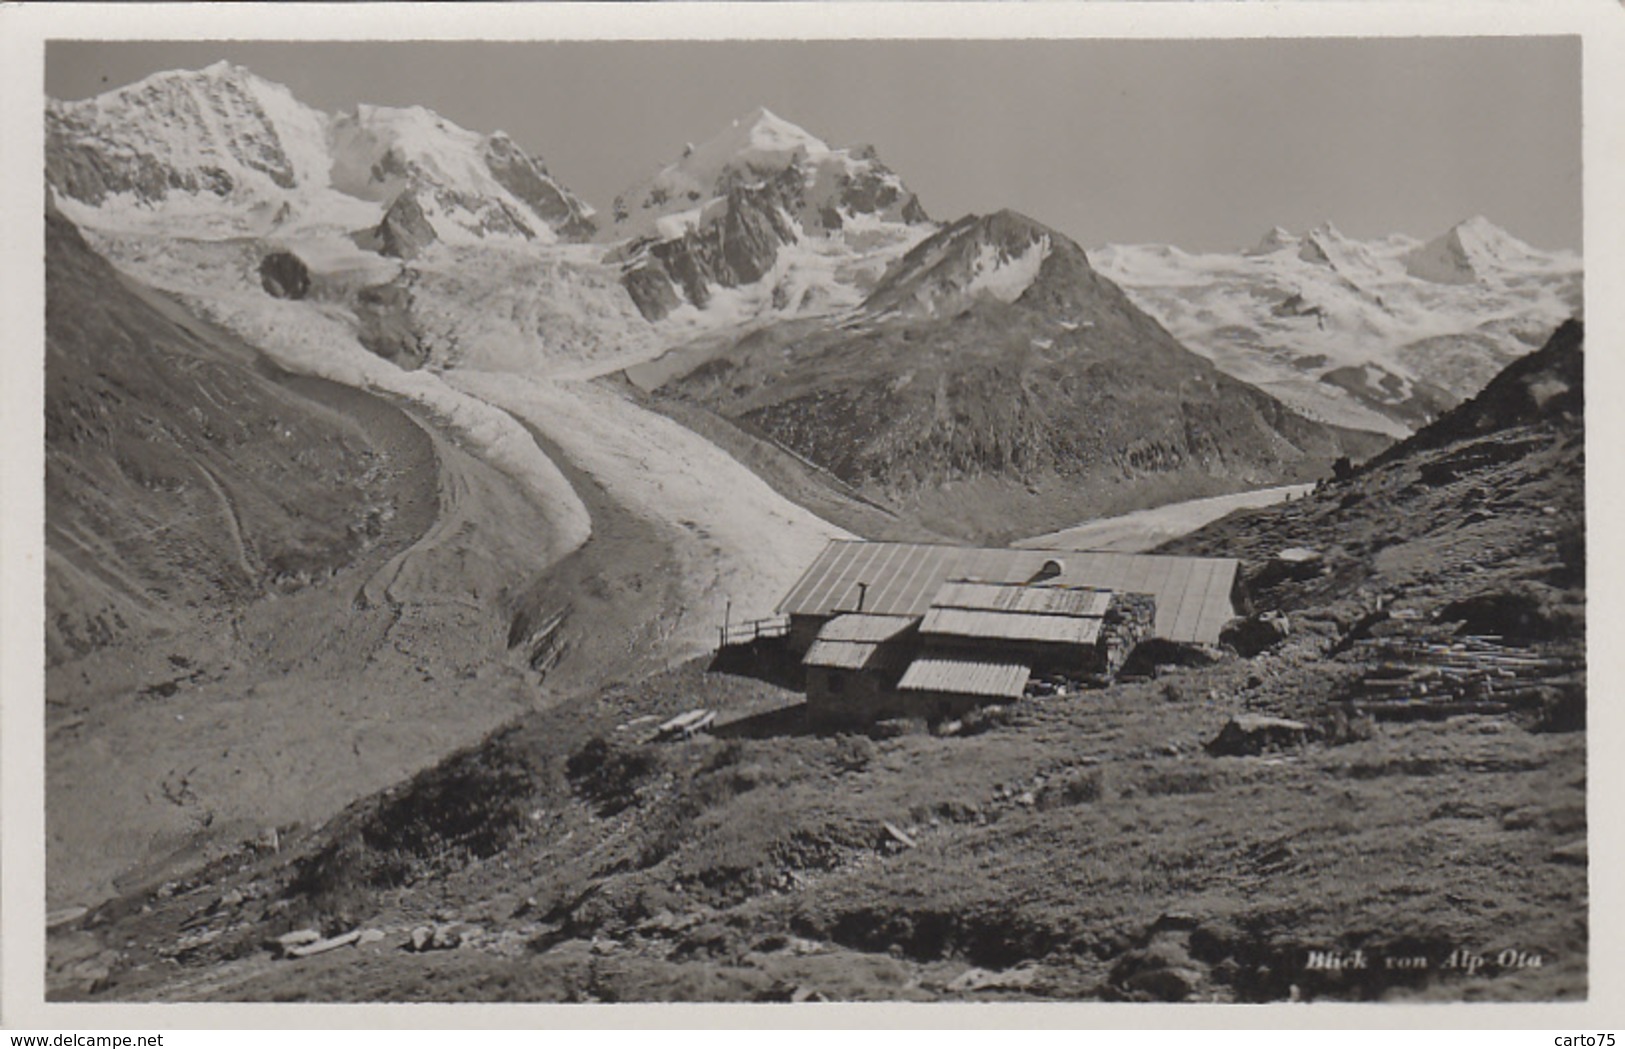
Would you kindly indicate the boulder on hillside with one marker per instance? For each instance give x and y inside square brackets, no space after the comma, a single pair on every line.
[405,230]
[1246,735]
[284,275]
[1294,564]
[1156,654]
[1161,971]
[1251,635]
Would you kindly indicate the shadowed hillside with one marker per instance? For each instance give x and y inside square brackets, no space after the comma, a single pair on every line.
[183,472]
[994,384]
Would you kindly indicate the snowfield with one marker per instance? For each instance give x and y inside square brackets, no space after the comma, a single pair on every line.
[1007,279]
[1294,309]
[738,540]
[217,281]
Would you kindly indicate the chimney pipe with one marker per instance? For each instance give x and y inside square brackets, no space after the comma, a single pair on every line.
[863,593]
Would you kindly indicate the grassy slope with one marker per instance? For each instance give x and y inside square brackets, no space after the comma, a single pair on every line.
[738,870]
[1088,848]
[1085,848]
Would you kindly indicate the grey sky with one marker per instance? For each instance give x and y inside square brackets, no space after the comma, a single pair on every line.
[1201,143]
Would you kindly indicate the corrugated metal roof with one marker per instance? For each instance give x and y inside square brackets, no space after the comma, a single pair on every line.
[966,678]
[1192,593]
[856,655]
[1017,597]
[861,626]
[1011,626]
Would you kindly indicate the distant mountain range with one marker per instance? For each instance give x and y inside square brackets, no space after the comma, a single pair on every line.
[911,354]
[1382,334]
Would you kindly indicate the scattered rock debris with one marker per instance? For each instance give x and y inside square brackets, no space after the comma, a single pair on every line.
[1252,635]
[435,938]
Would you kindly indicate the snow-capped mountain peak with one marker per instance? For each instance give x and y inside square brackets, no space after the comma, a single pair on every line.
[1277,239]
[1473,250]
[1325,245]
[217,130]
[762,201]
[763,131]
[999,256]
[833,185]
[220,151]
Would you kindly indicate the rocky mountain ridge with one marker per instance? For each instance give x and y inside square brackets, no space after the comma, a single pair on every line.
[994,382]
[721,214]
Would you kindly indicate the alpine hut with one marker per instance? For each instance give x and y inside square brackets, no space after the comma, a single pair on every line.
[913,629]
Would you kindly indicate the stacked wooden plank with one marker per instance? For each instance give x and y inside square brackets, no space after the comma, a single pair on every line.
[1422,677]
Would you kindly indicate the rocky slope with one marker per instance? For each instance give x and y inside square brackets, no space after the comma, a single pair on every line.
[995,384]
[1479,517]
[1382,334]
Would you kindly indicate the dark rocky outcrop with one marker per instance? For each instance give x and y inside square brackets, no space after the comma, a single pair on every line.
[874,190]
[81,170]
[739,248]
[404,231]
[284,275]
[1250,734]
[652,291]
[385,326]
[526,178]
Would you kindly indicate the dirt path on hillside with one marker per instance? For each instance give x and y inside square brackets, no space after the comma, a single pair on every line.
[288,708]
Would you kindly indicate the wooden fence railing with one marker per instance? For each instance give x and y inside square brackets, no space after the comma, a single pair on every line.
[753,630]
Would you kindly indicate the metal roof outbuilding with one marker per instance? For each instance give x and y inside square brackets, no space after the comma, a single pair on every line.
[966,677]
[1192,593]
